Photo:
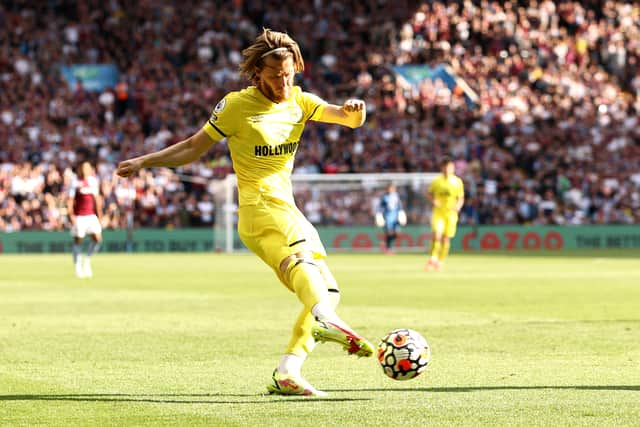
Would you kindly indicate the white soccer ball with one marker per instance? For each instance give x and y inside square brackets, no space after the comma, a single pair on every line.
[403,354]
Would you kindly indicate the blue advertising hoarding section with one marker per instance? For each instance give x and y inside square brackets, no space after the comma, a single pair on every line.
[416,74]
[93,77]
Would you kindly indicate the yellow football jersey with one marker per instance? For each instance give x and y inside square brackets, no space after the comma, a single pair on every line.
[447,190]
[263,138]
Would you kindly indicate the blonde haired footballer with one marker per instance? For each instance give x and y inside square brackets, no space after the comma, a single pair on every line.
[446,193]
[262,125]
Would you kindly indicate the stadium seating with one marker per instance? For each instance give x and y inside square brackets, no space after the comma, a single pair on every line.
[554,138]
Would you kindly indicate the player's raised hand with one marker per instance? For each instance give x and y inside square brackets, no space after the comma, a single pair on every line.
[353,105]
[129,167]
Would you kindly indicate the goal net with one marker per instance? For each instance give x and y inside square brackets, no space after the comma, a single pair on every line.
[332,202]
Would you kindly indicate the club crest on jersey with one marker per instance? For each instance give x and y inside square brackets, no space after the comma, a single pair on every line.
[220,106]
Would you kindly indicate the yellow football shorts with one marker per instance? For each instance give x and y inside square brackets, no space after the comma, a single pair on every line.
[274,230]
[444,223]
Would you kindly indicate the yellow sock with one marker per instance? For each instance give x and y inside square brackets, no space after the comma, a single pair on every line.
[308,283]
[301,342]
[444,250]
[435,248]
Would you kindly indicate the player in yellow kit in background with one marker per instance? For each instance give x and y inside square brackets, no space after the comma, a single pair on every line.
[446,194]
[263,124]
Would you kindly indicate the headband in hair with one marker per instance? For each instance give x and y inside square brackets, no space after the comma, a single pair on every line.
[278,49]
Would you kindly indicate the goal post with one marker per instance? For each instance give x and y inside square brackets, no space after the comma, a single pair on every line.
[331,201]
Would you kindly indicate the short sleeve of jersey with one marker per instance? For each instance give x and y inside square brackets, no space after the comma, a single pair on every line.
[223,122]
[312,105]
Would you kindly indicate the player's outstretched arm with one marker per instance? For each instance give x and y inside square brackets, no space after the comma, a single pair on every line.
[352,113]
[179,154]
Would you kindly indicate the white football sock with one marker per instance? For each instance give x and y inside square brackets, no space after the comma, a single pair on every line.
[93,248]
[323,311]
[290,364]
[76,252]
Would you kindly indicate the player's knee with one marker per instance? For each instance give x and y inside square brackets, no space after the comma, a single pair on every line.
[284,265]
[293,260]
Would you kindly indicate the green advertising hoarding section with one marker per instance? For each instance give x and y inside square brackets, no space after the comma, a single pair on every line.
[143,240]
[489,238]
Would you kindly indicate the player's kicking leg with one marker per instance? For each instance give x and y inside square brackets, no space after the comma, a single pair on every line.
[94,246]
[329,327]
[325,331]
[77,258]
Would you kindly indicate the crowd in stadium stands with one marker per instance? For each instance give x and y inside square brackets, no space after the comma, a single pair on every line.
[554,137]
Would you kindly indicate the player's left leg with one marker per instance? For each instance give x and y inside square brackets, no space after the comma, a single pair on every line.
[287,377]
[77,261]
[437,230]
[449,233]
[391,235]
[94,246]
[95,232]
[434,252]
[78,231]
[444,251]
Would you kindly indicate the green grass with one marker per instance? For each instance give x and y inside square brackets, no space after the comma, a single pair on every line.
[192,339]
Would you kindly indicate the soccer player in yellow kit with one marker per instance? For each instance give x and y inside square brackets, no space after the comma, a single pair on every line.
[262,124]
[446,193]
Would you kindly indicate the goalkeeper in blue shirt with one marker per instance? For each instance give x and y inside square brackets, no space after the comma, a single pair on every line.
[390,216]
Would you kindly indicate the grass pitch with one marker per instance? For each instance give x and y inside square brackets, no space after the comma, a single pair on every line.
[184,339]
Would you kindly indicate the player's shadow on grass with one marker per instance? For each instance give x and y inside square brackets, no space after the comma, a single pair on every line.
[212,398]
[506,387]
[259,398]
